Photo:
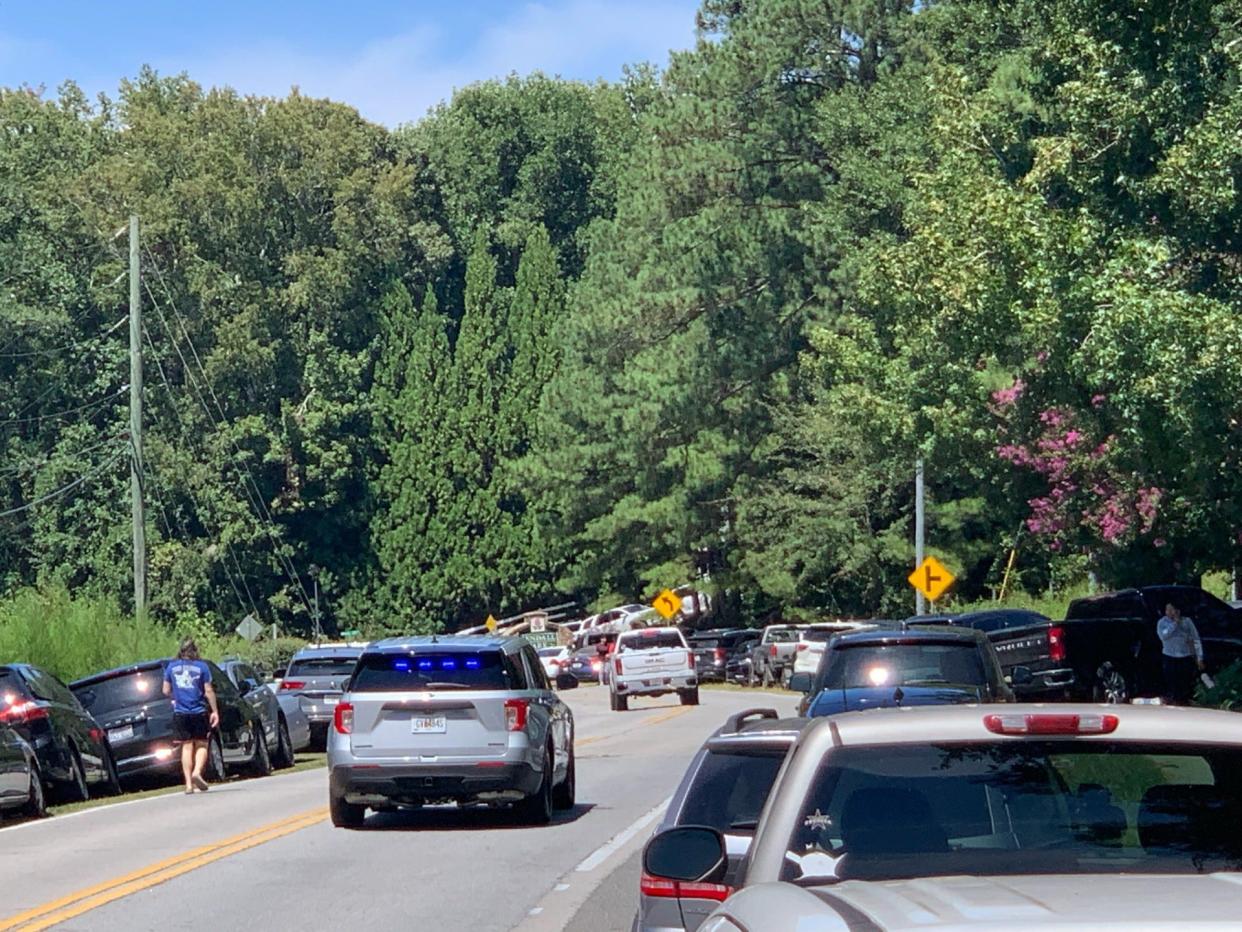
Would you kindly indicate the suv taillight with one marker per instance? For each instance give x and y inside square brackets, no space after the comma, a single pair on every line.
[23,713]
[616,665]
[772,650]
[1056,643]
[720,654]
[343,718]
[515,713]
[292,684]
[662,888]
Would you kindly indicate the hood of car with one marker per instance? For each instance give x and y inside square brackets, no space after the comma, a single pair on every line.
[974,904]
[832,701]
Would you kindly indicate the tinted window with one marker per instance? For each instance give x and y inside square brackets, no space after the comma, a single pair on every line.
[647,640]
[819,635]
[121,692]
[550,651]
[729,790]
[12,687]
[1021,808]
[1002,620]
[535,674]
[704,643]
[782,636]
[434,670]
[321,666]
[903,665]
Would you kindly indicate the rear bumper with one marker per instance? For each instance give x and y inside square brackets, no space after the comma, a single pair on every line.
[1043,682]
[149,761]
[374,783]
[656,685]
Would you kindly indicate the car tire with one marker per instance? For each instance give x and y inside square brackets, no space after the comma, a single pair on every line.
[318,737]
[284,746]
[689,696]
[261,762]
[345,814]
[766,679]
[619,703]
[74,789]
[112,780]
[786,676]
[565,792]
[36,803]
[536,809]
[215,769]
[1111,685]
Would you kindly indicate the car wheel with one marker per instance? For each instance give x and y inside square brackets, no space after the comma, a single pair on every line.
[36,801]
[111,780]
[284,746]
[261,762]
[689,696]
[74,789]
[318,737]
[619,703]
[536,809]
[767,677]
[563,795]
[346,815]
[215,760]
[786,676]
[1110,685]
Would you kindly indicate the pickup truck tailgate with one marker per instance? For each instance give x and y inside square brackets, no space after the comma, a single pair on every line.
[654,662]
[1022,646]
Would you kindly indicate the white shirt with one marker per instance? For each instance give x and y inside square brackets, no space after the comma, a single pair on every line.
[1179,639]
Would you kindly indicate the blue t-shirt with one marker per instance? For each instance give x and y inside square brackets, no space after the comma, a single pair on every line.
[188,679]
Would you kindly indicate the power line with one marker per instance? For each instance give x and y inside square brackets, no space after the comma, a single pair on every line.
[76,455]
[52,351]
[56,415]
[85,477]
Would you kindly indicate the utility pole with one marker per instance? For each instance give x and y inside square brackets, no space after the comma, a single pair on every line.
[135,422]
[918,529]
[314,574]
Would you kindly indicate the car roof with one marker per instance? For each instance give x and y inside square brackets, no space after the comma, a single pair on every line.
[915,634]
[757,726]
[448,642]
[341,651]
[140,667]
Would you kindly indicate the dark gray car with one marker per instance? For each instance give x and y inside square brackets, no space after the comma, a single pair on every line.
[266,706]
[725,788]
[317,676]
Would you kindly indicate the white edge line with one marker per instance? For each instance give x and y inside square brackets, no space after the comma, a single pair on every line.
[108,807]
[610,847]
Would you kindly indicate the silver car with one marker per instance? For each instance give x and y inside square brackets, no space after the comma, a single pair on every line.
[465,719]
[317,676]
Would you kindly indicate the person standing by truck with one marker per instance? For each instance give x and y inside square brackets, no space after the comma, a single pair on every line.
[1182,655]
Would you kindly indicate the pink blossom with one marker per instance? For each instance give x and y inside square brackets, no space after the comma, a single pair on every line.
[1008,396]
[1160,542]
[1097,401]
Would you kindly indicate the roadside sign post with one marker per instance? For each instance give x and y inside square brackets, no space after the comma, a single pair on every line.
[249,628]
[667,603]
[932,579]
[491,624]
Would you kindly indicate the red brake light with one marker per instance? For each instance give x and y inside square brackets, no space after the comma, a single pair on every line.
[515,713]
[665,889]
[1056,643]
[616,665]
[292,684]
[23,713]
[720,653]
[772,650]
[801,646]
[1050,723]
[343,718]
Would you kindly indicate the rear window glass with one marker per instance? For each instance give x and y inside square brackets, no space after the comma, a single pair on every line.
[870,665]
[12,689]
[550,651]
[729,791]
[783,635]
[648,640]
[475,670]
[819,635]
[321,666]
[706,642]
[1019,808]
[121,692]
[1001,622]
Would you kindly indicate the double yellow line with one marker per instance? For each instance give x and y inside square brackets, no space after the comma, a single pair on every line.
[83,901]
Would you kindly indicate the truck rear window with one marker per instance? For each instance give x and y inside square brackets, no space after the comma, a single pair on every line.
[649,640]
[121,692]
[473,670]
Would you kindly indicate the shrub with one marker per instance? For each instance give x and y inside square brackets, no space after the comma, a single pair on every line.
[1227,691]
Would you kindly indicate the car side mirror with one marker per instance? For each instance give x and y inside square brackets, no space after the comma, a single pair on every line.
[1021,676]
[688,853]
[566,681]
[800,682]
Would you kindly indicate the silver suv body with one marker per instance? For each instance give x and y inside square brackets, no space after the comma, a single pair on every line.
[465,719]
[317,677]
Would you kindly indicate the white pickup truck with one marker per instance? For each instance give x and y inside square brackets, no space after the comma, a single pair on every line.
[652,662]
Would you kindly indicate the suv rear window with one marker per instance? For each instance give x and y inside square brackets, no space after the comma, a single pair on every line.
[867,665]
[321,666]
[730,789]
[12,685]
[462,670]
[121,692]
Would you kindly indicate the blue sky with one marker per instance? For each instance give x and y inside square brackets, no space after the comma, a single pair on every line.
[391,60]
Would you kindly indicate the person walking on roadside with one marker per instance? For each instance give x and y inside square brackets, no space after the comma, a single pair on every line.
[187,681]
[1182,652]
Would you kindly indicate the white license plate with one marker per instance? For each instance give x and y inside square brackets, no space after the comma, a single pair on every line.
[121,734]
[429,725]
[330,700]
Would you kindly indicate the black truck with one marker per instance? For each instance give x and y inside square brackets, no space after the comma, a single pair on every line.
[1106,648]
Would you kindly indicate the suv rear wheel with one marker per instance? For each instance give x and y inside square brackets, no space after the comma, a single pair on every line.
[619,703]
[261,763]
[563,795]
[537,807]
[344,814]
[36,802]
[689,696]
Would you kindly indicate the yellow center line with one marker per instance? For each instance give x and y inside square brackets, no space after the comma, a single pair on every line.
[83,901]
[664,717]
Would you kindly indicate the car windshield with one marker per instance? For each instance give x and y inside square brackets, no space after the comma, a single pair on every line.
[121,692]
[730,788]
[881,813]
[880,665]
[650,640]
[321,666]
[473,670]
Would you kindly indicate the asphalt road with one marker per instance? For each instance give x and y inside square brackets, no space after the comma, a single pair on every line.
[261,853]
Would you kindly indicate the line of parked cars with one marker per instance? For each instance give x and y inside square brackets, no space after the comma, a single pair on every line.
[914,791]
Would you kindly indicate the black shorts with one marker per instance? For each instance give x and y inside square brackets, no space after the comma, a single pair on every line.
[191,726]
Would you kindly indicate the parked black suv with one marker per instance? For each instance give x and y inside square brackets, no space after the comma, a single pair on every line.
[714,651]
[73,752]
[130,703]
